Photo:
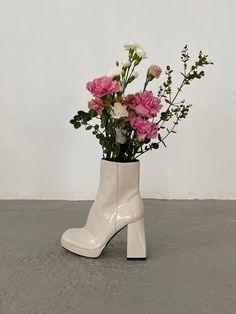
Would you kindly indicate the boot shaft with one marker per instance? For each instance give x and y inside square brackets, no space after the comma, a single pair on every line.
[119,180]
[118,200]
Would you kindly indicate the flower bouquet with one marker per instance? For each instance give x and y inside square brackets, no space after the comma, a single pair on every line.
[127,126]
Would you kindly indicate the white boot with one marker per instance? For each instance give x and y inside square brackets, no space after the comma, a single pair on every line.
[118,204]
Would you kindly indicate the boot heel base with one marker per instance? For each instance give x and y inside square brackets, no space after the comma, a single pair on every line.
[136,258]
[136,242]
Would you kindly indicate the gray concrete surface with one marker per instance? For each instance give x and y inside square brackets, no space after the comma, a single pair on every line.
[191,265]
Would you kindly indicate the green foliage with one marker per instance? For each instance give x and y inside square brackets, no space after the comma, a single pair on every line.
[176,111]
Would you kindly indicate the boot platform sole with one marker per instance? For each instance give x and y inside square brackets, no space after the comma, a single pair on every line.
[94,253]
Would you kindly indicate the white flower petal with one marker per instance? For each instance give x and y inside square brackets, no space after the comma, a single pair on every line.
[118,111]
[141,53]
[114,72]
[126,63]
[131,45]
[120,136]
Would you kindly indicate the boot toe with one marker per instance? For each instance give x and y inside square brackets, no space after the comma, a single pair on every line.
[80,241]
[75,237]
[79,237]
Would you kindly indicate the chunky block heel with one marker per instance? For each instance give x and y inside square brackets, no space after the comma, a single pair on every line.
[136,242]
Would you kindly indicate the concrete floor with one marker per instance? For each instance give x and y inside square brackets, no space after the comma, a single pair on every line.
[191,265]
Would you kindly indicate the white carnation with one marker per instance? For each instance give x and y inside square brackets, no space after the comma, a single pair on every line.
[141,53]
[114,72]
[131,45]
[120,136]
[118,111]
[126,63]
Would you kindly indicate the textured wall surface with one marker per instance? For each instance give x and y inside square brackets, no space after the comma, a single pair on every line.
[190,266]
[50,49]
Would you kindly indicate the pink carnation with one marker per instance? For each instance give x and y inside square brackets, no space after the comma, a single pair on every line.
[147,105]
[129,101]
[102,86]
[144,128]
[155,71]
[97,105]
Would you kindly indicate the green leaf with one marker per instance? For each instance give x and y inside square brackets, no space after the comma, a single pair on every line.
[89,127]
[168,102]
[155,145]
[81,114]
[92,113]
[77,125]
[86,117]
[147,140]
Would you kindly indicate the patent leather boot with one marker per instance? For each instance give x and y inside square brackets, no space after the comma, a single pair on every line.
[118,204]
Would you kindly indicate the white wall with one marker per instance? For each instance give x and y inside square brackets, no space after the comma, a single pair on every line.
[49,49]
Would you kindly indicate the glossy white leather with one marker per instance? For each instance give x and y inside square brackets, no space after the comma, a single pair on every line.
[136,244]
[117,204]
